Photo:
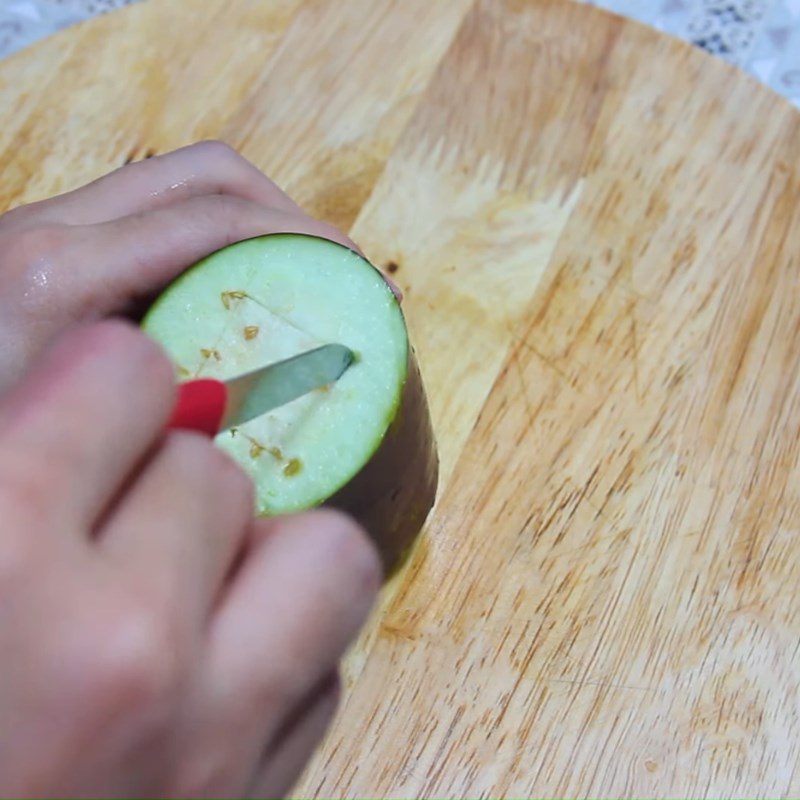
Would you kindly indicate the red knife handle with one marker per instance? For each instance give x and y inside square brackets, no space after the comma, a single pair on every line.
[200,406]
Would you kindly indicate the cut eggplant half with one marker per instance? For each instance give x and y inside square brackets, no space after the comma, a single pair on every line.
[363,444]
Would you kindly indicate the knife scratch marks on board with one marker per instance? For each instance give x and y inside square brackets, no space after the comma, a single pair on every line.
[634,350]
[523,385]
[580,683]
[550,362]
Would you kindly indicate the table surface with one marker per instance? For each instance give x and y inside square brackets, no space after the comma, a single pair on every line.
[601,259]
[761,36]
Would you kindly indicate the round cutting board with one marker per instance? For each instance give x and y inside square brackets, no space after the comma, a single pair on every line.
[598,233]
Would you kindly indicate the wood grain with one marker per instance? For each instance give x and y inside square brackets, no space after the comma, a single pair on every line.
[597,232]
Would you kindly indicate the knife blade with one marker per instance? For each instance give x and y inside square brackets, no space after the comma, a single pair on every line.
[210,406]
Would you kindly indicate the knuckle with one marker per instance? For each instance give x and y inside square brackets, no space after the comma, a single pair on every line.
[41,243]
[136,660]
[226,214]
[225,208]
[24,492]
[214,150]
[18,556]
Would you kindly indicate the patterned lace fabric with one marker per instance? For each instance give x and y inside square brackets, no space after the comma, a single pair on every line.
[761,36]
[24,21]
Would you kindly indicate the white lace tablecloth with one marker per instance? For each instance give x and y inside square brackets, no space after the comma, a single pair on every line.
[761,36]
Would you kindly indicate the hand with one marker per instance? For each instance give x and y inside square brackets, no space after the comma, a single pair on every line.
[104,248]
[156,640]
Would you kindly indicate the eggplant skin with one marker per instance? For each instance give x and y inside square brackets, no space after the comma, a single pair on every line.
[393,493]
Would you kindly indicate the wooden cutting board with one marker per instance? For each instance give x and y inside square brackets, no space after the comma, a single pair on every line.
[598,233]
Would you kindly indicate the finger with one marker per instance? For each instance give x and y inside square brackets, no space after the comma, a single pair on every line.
[100,268]
[292,749]
[86,415]
[199,169]
[216,759]
[181,524]
[299,598]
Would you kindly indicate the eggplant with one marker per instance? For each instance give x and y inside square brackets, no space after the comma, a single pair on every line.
[363,444]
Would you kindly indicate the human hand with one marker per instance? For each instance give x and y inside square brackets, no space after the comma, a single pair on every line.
[108,246]
[156,640]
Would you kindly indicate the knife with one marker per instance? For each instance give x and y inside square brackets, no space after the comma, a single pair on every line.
[209,405]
